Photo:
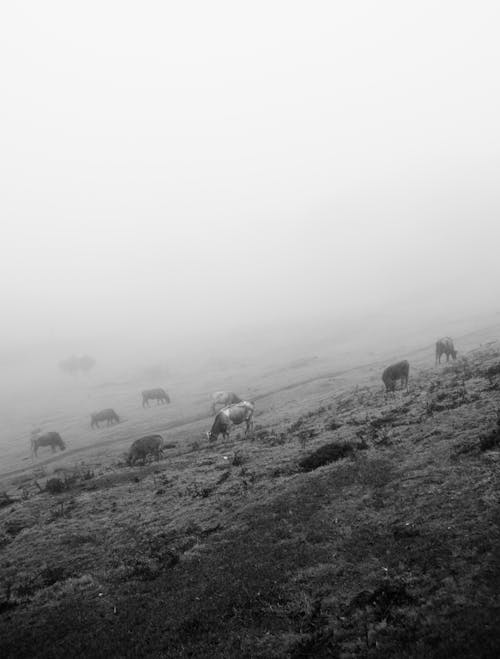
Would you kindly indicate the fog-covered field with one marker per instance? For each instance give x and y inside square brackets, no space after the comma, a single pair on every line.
[37,394]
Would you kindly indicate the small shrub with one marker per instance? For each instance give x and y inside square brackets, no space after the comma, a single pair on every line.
[489,441]
[333,424]
[385,599]
[295,426]
[326,454]
[195,490]
[492,439]
[5,499]
[51,575]
[55,486]
[492,371]
[14,526]
[383,438]
[239,458]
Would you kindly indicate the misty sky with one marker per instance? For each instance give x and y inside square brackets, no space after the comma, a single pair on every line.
[205,164]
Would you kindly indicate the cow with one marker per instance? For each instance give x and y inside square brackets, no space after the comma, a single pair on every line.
[160,395]
[445,346]
[232,415]
[224,398]
[109,415]
[52,439]
[141,448]
[398,371]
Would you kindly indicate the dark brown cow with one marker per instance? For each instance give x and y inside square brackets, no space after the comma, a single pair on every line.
[395,372]
[141,448]
[108,415]
[160,395]
[232,415]
[52,439]
[445,346]
[224,398]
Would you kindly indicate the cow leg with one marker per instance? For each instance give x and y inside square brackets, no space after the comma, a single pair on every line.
[249,426]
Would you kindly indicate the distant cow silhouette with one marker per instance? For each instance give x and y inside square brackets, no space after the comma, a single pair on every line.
[52,439]
[109,415]
[232,415]
[160,395]
[141,448]
[445,346]
[395,372]
[224,398]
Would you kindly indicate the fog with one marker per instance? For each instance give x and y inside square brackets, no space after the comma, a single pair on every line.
[186,179]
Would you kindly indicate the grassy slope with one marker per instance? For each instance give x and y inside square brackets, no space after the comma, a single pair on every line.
[229,550]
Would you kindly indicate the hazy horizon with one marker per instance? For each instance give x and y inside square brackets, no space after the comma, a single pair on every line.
[176,174]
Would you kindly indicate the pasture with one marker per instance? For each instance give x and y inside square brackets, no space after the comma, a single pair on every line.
[353,524]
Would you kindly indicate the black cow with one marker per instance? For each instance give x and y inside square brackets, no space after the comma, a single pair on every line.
[445,346]
[160,395]
[224,398]
[109,415]
[52,439]
[232,415]
[392,374]
[141,448]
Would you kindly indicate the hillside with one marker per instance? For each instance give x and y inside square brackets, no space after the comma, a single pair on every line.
[383,544]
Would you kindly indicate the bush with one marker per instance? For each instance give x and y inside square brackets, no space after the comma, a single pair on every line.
[239,458]
[326,454]
[55,486]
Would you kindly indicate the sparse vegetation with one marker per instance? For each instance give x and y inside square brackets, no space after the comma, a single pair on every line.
[231,549]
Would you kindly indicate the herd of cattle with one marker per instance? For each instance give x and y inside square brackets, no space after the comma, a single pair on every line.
[227,407]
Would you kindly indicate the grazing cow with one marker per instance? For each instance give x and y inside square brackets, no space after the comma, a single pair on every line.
[160,395]
[141,448]
[109,415]
[232,415]
[399,371]
[224,398]
[52,439]
[445,346]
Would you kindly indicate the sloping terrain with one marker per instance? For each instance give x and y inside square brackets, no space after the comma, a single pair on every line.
[354,524]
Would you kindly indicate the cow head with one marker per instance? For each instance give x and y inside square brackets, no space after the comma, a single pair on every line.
[390,385]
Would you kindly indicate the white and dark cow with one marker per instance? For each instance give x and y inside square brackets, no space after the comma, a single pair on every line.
[52,439]
[395,372]
[232,416]
[223,399]
[445,346]
[108,415]
[160,395]
[144,446]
